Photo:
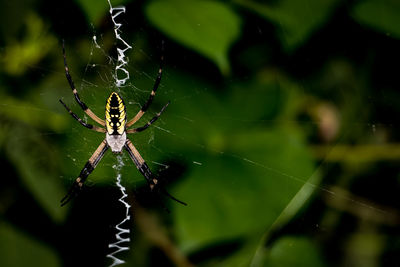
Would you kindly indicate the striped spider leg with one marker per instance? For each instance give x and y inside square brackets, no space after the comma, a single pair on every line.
[145,170]
[75,92]
[89,167]
[87,125]
[152,94]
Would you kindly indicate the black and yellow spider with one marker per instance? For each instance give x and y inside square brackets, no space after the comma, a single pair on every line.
[116,128]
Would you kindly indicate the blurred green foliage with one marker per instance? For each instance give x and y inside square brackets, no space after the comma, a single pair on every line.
[278,112]
[95,10]
[289,251]
[294,20]
[380,15]
[35,253]
[208,27]
[34,45]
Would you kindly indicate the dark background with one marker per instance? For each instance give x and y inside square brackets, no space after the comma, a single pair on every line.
[282,133]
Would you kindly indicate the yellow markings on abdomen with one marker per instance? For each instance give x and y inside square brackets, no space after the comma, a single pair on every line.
[115,114]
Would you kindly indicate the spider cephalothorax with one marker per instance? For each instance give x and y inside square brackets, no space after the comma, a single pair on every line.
[116,127]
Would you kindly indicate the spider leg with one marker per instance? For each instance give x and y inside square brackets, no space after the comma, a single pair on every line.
[144,127]
[140,164]
[152,94]
[145,170]
[87,169]
[87,125]
[75,92]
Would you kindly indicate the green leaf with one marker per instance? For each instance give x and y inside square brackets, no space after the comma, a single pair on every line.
[295,20]
[381,15]
[240,177]
[95,9]
[297,202]
[35,161]
[17,249]
[294,251]
[243,191]
[207,27]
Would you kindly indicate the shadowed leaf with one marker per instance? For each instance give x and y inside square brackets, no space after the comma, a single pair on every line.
[208,27]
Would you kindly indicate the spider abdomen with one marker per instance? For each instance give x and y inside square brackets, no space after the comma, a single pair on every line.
[115,114]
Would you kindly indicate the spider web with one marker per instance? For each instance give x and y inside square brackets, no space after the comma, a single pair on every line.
[97,82]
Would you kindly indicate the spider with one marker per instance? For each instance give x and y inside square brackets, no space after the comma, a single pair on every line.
[116,130]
